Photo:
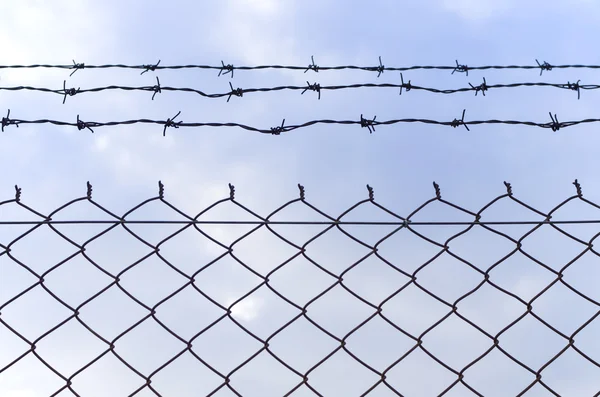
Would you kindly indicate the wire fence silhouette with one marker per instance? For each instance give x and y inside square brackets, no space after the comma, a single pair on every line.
[461,376]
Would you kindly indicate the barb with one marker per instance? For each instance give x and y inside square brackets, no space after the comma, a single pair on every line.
[482,87]
[370,124]
[6,121]
[156,88]
[76,66]
[150,68]
[225,69]
[279,129]
[312,66]
[574,87]
[543,66]
[555,125]
[237,92]
[380,69]
[231,192]
[312,87]
[171,123]
[70,91]
[461,68]
[82,125]
[89,190]
[408,86]
[455,123]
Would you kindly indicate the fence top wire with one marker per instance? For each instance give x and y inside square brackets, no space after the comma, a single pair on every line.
[370,124]
[385,379]
[316,87]
[403,221]
[228,69]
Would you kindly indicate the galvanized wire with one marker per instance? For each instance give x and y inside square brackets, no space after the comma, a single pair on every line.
[537,375]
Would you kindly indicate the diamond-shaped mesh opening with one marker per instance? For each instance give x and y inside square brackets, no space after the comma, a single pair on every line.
[285,281]
[302,345]
[70,348]
[481,247]
[111,313]
[572,375]
[497,375]
[378,344]
[537,245]
[35,313]
[456,343]
[91,281]
[274,251]
[418,373]
[225,346]
[349,311]
[341,373]
[326,252]
[107,377]
[374,280]
[186,377]
[531,342]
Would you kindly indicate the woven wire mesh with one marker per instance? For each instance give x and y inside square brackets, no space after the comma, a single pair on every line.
[463,304]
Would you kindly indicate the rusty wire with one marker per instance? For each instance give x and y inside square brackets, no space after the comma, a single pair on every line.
[404,224]
[554,124]
[228,69]
[316,87]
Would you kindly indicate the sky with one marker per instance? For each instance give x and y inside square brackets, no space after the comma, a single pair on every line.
[124,164]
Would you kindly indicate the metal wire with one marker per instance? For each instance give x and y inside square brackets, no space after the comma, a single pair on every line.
[370,124]
[225,69]
[537,375]
[316,87]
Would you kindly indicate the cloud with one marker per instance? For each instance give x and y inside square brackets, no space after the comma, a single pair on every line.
[246,310]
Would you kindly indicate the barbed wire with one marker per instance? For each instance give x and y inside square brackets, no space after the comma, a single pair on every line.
[225,69]
[316,87]
[538,375]
[370,124]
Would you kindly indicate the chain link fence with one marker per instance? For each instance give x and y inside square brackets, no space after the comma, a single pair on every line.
[441,300]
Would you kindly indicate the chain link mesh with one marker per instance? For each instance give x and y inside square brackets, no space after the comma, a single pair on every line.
[351,321]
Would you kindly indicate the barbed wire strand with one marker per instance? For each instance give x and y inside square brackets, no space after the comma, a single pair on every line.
[370,124]
[316,87]
[225,69]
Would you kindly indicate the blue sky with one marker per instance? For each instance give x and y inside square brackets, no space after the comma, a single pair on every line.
[334,163]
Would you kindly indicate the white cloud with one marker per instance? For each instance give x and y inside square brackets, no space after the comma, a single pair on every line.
[246,310]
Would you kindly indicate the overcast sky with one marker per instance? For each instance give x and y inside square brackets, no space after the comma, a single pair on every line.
[334,162]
